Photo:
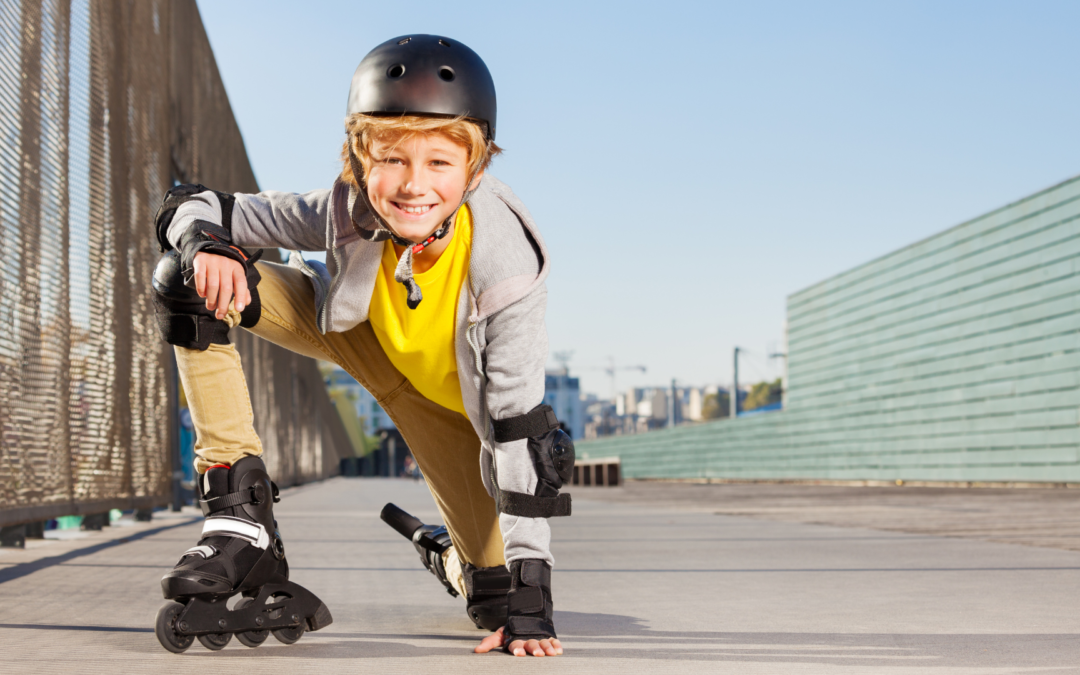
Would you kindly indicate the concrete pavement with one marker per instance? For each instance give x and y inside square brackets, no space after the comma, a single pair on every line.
[640,586]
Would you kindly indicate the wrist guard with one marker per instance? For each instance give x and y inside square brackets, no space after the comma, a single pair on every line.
[485,600]
[204,237]
[529,605]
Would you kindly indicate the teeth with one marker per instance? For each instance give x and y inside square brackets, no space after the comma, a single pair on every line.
[415,209]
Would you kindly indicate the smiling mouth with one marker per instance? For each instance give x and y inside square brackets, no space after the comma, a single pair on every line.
[415,210]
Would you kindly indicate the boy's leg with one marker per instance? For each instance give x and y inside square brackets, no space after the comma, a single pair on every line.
[447,449]
[442,441]
[220,407]
[239,549]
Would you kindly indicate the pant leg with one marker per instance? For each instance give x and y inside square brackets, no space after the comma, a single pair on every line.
[442,441]
[448,451]
[220,406]
[214,380]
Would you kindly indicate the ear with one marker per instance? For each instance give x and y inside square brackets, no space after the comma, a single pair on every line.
[476,181]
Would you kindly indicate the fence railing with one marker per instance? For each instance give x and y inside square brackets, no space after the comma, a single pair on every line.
[103,105]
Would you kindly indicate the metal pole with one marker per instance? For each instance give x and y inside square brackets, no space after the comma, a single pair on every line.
[173,423]
[671,405]
[391,460]
[735,387]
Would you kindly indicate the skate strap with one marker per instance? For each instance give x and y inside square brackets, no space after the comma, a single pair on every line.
[227,526]
[536,422]
[204,551]
[531,506]
[256,494]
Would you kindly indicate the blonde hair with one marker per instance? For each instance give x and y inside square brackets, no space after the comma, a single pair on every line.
[365,130]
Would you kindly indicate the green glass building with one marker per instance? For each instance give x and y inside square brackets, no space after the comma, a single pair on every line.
[954,359]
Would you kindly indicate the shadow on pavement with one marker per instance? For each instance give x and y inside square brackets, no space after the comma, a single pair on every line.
[22,569]
[613,636]
[627,637]
[103,629]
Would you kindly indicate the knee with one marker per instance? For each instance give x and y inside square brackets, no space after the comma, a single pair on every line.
[182,317]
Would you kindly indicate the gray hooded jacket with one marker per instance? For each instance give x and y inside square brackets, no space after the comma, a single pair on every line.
[500,339]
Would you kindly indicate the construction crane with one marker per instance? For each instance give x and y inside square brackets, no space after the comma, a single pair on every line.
[563,359]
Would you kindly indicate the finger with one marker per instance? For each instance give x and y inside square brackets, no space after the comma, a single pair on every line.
[224,295]
[490,642]
[517,648]
[240,290]
[549,648]
[486,645]
[212,284]
[200,276]
[556,645]
[533,647]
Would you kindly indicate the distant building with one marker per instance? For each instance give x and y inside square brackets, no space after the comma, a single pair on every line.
[563,394]
[695,400]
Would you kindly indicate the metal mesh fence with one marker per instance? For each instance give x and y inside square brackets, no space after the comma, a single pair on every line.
[103,105]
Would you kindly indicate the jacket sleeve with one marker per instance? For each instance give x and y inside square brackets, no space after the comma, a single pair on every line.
[293,221]
[269,219]
[515,357]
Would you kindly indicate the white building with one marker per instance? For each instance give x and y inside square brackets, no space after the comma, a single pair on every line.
[695,400]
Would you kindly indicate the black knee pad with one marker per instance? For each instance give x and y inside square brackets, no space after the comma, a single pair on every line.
[182,317]
[486,591]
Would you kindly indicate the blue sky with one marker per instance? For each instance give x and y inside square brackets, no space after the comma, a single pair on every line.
[693,164]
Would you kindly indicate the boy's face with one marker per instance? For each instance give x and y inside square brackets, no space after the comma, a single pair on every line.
[417,183]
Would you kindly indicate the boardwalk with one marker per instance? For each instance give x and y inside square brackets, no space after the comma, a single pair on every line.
[647,581]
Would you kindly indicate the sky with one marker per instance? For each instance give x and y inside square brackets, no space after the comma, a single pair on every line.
[693,164]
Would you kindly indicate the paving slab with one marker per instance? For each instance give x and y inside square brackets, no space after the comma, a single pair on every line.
[639,587]
[1033,516]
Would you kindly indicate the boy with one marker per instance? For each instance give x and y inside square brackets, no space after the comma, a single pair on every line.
[433,299]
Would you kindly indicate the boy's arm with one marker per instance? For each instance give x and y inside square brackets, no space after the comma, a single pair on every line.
[516,354]
[264,220]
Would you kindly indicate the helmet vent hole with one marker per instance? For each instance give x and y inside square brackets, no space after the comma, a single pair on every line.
[404,41]
[446,74]
[396,71]
[444,43]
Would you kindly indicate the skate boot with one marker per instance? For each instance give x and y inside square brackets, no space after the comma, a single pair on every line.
[485,587]
[240,553]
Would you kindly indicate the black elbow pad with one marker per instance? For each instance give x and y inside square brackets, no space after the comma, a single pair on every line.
[179,194]
[552,454]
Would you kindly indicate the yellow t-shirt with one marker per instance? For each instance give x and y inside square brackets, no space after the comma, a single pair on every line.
[420,342]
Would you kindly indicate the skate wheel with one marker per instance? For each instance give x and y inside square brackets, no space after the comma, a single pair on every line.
[165,629]
[289,635]
[215,641]
[251,638]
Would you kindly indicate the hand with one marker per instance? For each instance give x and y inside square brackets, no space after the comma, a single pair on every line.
[219,279]
[550,647]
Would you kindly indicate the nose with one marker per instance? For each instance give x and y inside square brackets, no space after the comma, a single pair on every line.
[415,180]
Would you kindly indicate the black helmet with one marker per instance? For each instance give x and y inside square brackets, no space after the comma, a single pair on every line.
[424,75]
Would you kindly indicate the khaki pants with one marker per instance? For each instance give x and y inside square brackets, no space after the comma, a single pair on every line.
[442,441]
